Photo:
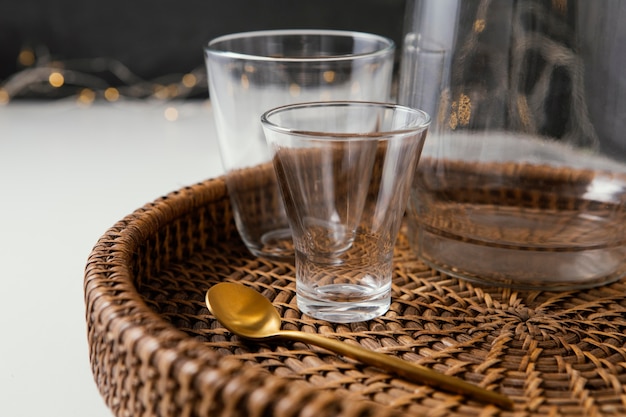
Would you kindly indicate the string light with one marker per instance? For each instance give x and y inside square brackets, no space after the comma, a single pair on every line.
[111,94]
[294,90]
[26,57]
[479,25]
[56,79]
[89,80]
[171,114]
[86,96]
[160,92]
[189,80]
[245,83]
[329,76]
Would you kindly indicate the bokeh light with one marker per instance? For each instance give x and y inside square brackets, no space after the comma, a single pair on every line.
[171,114]
[56,79]
[111,94]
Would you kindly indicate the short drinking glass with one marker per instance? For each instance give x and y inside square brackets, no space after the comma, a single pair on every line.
[344,170]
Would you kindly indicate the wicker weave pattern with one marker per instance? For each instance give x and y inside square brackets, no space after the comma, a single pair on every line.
[156,351]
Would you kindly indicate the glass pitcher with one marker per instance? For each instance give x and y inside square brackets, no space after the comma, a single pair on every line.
[522,181]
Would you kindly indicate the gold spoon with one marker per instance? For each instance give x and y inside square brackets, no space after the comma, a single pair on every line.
[248,314]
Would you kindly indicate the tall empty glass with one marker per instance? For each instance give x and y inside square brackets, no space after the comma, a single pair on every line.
[522,181]
[345,169]
[252,72]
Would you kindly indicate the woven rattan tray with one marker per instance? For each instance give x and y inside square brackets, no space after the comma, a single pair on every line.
[156,351]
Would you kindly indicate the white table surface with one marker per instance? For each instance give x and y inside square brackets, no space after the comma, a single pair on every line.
[67,174]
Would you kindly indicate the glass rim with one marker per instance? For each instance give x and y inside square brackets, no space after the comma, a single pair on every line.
[418,127]
[387,44]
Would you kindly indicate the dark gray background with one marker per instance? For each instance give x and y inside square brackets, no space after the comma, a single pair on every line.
[157,37]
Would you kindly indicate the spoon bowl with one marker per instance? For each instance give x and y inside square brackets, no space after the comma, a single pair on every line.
[243,311]
[248,314]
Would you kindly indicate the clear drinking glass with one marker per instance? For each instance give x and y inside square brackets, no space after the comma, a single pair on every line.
[252,72]
[344,169]
[522,181]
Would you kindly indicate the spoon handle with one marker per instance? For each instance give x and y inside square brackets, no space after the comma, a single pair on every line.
[408,370]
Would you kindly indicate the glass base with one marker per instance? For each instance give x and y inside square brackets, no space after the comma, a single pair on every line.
[520,267]
[276,245]
[341,303]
